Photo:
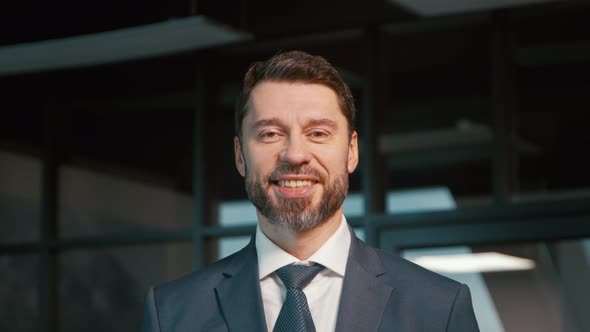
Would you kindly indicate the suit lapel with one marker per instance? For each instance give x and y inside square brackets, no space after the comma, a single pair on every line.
[364,295]
[239,293]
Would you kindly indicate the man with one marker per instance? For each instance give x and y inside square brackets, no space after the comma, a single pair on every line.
[295,146]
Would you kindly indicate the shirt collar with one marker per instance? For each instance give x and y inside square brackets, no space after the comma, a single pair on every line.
[333,254]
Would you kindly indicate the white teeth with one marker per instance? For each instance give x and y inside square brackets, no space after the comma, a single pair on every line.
[294,183]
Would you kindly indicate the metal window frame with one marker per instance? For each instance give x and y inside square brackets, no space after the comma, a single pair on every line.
[501,222]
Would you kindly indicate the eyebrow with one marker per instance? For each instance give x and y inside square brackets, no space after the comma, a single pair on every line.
[322,122]
[267,122]
[276,122]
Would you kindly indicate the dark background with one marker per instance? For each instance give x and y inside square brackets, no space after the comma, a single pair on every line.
[491,104]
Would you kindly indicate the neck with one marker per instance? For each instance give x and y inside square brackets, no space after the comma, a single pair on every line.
[301,244]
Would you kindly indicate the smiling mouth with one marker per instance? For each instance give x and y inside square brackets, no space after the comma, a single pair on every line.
[294,183]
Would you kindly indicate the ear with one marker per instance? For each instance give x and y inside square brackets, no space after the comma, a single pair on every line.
[239,157]
[353,152]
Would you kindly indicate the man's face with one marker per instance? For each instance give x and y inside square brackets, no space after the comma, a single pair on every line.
[296,153]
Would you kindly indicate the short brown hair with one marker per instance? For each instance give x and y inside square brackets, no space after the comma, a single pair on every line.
[295,66]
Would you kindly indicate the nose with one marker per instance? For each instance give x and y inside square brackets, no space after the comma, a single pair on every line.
[295,151]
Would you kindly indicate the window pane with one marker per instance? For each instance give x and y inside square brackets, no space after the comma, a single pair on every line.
[18,294]
[511,294]
[103,290]
[94,203]
[236,213]
[433,120]
[20,190]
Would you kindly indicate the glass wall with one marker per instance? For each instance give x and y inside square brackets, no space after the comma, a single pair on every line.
[522,286]
[19,309]
[20,197]
[104,289]
[97,203]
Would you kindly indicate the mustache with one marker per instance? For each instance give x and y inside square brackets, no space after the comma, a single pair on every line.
[287,169]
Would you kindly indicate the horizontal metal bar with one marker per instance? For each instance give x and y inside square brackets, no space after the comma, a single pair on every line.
[438,157]
[124,239]
[562,53]
[138,238]
[491,214]
[564,228]
[518,222]
[22,248]
[539,221]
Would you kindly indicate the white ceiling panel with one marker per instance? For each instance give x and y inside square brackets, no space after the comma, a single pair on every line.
[145,41]
[442,7]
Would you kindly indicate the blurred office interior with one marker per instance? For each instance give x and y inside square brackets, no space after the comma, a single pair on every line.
[116,147]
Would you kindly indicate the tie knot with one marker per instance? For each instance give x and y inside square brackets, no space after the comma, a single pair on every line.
[298,276]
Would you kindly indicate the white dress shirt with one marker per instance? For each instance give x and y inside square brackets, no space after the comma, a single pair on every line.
[323,292]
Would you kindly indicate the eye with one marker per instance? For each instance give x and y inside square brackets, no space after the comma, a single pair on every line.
[269,136]
[319,134]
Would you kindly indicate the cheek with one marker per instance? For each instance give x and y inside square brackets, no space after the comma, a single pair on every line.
[339,154]
[260,162]
[334,161]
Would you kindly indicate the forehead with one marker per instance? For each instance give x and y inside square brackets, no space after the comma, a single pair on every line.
[294,99]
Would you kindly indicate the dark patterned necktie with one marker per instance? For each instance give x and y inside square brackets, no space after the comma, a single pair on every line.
[295,315]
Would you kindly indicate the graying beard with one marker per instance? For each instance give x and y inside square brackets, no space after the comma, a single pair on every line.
[295,213]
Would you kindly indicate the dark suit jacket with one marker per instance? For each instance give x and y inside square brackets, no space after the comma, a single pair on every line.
[381,292]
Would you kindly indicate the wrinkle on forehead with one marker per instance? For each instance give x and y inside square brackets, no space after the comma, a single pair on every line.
[325,122]
[307,103]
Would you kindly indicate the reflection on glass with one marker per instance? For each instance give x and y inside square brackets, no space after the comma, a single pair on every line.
[93,203]
[483,304]
[551,296]
[18,294]
[103,290]
[20,194]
